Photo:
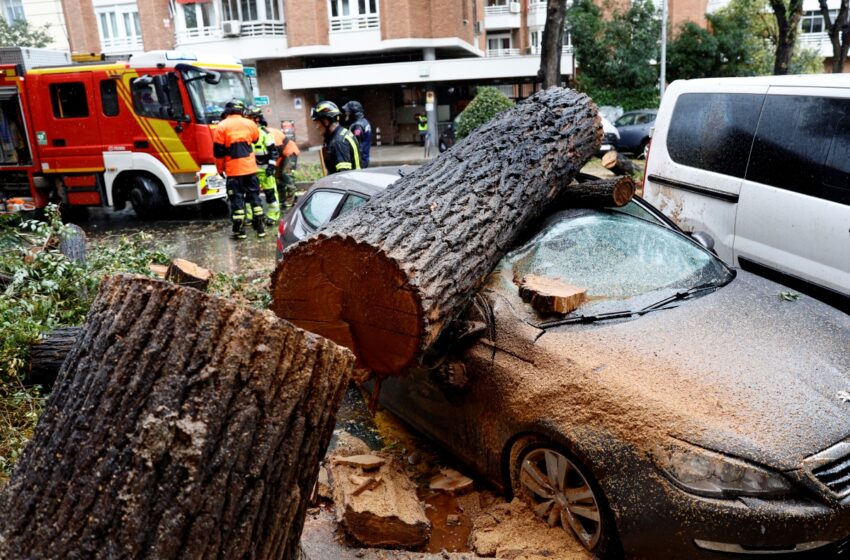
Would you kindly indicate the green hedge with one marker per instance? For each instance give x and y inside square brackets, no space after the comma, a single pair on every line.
[488,103]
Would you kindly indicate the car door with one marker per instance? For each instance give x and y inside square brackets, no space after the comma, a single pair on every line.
[794,209]
[629,130]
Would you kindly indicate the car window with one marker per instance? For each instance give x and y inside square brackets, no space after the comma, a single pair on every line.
[802,145]
[714,131]
[643,119]
[625,120]
[319,208]
[351,201]
[616,256]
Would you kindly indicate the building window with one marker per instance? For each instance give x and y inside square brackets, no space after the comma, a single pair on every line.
[119,27]
[13,10]
[198,16]
[353,15]
[251,10]
[69,100]
[499,43]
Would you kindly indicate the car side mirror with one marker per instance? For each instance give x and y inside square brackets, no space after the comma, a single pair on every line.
[704,239]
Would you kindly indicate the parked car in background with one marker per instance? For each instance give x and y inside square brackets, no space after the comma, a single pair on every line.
[447,136]
[330,197]
[634,128]
[762,165]
[611,139]
[684,411]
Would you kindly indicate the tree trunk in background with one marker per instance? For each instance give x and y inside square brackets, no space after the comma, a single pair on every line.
[553,38]
[388,277]
[48,354]
[787,21]
[839,32]
[181,426]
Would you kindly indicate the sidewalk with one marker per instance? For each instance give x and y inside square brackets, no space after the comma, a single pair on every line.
[400,154]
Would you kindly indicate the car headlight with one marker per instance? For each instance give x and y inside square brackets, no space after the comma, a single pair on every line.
[707,473]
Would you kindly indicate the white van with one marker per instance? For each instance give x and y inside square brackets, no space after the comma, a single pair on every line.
[763,166]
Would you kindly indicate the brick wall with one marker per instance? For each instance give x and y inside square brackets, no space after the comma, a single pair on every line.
[82,26]
[156,23]
[681,11]
[307,22]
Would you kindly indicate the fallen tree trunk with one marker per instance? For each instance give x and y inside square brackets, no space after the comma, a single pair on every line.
[602,193]
[181,426]
[617,163]
[387,278]
[48,354]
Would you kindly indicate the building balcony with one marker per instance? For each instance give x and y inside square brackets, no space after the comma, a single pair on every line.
[353,33]
[817,41]
[503,52]
[354,23]
[251,40]
[537,16]
[502,17]
[566,49]
[122,45]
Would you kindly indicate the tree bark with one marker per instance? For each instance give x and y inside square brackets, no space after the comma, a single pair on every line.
[838,31]
[617,163]
[387,278]
[787,21]
[72,243]
[181,426]
[552,41]
[48,354]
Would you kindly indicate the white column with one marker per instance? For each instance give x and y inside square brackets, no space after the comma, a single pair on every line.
[429,54]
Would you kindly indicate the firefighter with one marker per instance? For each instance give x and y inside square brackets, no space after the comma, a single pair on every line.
[287,163]
[422,127]
[266,153]
[340,151]
[360,128]
[234,158]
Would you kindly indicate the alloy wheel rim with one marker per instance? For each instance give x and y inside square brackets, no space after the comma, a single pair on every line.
[561,496]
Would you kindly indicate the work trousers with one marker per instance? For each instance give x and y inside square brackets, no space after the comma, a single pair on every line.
[241,191]
[269,187]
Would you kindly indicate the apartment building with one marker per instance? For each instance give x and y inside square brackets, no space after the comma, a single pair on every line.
[397,57]
[39,13]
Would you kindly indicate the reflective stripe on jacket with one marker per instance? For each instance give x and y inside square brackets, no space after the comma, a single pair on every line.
[341,151]
[233,139]
[265,148]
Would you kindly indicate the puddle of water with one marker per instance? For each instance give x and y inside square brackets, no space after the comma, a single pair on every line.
[354,417]
[446,536]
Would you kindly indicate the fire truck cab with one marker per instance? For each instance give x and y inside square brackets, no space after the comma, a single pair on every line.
[112,133]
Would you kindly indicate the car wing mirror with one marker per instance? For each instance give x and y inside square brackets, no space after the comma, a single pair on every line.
[704,239]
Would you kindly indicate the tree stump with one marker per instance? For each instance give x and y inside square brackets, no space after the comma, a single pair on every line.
[617,163]
[181,426]
[48,354]
[388,277]
[187,273]
[601,193]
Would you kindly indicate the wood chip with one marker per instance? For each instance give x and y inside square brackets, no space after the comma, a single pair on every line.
[365,462]
[451,482]
[550,295]
[364,483]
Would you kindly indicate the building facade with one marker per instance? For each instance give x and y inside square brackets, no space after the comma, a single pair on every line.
[39,13]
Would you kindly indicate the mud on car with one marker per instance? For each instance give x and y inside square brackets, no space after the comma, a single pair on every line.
[685,410]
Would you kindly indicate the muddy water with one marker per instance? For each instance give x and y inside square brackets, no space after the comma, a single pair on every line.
[198,235]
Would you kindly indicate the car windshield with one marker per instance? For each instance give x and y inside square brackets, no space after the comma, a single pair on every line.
[617,257]
[208,99]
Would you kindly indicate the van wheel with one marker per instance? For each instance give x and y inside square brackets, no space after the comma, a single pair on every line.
[145,196]
[561,491]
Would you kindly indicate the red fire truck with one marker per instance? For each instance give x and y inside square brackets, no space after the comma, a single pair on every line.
[111,133]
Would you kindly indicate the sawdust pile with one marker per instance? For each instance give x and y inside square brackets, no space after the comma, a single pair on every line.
[512,531]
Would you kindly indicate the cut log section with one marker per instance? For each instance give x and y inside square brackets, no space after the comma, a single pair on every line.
[187,273]
[602,193]
[550,295]
[388,277]
[380,509]
[617,163]
[48,354]
[181,426]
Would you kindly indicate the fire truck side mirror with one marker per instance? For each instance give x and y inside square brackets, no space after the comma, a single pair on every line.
[142,82]
[212,77]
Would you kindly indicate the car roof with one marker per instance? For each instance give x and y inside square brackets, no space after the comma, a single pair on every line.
[367,182]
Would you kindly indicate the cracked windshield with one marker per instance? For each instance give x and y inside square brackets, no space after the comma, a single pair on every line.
[418,279]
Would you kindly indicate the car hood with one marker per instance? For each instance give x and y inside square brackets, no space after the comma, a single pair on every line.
[740,371]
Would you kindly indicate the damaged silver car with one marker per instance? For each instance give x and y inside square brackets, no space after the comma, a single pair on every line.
[684,410]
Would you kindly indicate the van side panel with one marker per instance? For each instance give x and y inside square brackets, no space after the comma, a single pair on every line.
[698,156]
[794,209]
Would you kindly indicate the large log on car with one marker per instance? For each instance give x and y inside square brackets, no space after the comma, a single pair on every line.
[387,278]
[181,426]
[617,163]
[600,193]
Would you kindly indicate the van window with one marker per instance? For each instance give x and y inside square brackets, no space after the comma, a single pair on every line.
[714,131]
[159,99]
[803,145]
[109,97]
[69,100]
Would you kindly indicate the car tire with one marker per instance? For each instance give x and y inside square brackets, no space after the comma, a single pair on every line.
[642,149]
[586,516]
[145,197]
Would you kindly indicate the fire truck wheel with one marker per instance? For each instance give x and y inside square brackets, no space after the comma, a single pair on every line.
[145,196]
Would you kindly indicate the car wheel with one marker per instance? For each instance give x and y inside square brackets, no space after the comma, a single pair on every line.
[562,492]
[642,150]
[145,197]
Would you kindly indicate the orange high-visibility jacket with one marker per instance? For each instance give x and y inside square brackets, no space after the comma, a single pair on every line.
[286,146]
[232,146]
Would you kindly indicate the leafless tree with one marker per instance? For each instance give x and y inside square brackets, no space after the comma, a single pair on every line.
[788,14]
[553,38]
[839,33]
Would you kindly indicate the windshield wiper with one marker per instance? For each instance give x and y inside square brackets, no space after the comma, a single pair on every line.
[584,319]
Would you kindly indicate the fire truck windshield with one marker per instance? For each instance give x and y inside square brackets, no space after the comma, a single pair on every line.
[208,99]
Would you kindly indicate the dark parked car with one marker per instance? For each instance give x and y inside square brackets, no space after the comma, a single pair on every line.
[447,136]
[634,128]
[330,197]
[684,411]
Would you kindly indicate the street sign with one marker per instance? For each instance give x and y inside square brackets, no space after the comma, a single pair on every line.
[429,97]
[250,71]
[261,100]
